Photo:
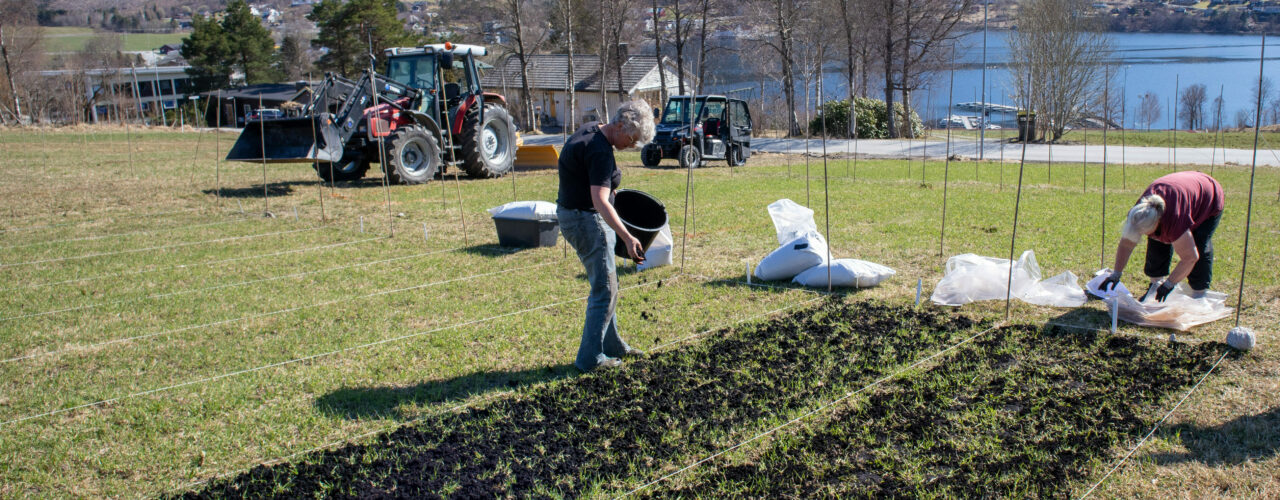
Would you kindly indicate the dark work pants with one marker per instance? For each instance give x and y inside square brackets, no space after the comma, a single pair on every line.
[1160,254]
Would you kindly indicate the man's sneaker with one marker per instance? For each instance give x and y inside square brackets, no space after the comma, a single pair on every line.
[606,364]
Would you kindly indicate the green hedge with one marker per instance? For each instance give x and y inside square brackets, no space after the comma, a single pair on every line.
[872,121]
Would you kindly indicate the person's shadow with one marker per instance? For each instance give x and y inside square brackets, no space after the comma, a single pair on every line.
[383,402]
[1251,437]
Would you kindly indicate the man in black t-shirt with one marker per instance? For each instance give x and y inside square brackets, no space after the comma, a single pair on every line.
[588,178]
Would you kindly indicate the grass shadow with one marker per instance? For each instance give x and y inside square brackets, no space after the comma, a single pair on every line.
[1244,439]
[378,402]
[490,250]
[273,189]
[777,286]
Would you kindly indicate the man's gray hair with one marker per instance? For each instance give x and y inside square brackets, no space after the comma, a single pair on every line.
[636,119]
[1143,217]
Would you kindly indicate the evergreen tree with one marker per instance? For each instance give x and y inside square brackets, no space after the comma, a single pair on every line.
[293,62]
[252,48]
[207,52]
[352,29]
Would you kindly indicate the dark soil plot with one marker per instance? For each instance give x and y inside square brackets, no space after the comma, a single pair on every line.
[590,433]
[1018,413]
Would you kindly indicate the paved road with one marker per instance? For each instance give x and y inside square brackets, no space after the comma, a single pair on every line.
[883,148]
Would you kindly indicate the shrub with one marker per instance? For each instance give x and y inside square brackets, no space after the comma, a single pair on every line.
[872,121]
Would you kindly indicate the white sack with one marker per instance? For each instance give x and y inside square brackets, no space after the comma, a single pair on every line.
[971,278]
[526,210]
[659,252]
[1179,311]
[791,220]
[847,273]
[793,257]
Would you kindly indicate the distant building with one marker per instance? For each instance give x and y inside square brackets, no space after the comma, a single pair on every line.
[114,90]
[548,81]
[168,47]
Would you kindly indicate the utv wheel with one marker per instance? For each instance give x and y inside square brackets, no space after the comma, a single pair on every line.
[651,156]
[413,156]
[351,167]
[488,147]
[690,157]
[735,156]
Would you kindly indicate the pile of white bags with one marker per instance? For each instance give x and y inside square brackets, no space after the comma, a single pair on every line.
[525,210]
[971,278]
[1179,311]
[802,253]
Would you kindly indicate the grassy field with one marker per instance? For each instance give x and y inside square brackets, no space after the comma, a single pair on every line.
[157,336]
[65,39]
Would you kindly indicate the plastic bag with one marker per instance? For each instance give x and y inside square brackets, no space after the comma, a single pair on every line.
[846,273]
[525,210]
[791,220]
[1179,311]
[971,278]
[792,258]
[659,252]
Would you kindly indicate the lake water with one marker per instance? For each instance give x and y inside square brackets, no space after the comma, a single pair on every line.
[1145,62]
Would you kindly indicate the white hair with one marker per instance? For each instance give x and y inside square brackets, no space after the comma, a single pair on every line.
[1143,217]
[636,119]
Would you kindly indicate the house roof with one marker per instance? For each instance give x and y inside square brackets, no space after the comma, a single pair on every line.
[551,72]
[279,92]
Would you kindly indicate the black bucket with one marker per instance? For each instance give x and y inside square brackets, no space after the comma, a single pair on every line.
[643,215]
[302,139]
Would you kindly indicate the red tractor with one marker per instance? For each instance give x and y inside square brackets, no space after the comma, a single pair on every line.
[402,111]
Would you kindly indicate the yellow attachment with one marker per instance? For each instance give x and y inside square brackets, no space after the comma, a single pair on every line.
[528,157]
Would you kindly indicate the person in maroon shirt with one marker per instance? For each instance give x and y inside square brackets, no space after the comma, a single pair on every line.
[1177,213]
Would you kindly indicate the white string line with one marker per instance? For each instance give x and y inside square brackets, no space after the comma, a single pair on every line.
[198,264]
[117,235]
[1188,340]
[476,401]
[298,360]
[161,247]
[88,221]
[1154,428]
[264,315]
[220,287]
[778,427]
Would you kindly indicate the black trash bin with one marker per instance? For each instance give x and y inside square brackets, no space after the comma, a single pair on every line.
[522,233]
[1026,126]
[643,215]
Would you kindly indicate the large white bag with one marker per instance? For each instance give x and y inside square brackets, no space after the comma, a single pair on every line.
[847,273]
[971,278]
[1179,311]
[793,257]
[659,252]
[791,220]
[525,210]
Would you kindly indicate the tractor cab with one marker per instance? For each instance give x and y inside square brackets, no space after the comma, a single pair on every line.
[693,129]
[437,69]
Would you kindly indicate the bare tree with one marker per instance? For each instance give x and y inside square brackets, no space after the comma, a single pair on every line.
[529,33]
[1149,109]
[21,48]
[927,35]
[1217,108]
[1260,93]
[1244,117]
[1058,52]
[1191,109]
[657,50]
[780,18]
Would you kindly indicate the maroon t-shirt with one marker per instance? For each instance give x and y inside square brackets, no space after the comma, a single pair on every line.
[1190,198]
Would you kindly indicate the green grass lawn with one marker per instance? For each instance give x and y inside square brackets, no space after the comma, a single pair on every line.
[156,335]
[63,39]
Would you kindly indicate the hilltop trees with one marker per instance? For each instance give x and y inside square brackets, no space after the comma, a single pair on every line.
[353,30]
[239,41]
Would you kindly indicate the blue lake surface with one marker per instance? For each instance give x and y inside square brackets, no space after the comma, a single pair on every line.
[1144,62]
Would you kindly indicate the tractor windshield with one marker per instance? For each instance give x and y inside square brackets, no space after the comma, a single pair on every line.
[677,111]
[415,71]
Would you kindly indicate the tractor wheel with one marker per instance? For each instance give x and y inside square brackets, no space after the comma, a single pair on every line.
[735,157]
[690,157]
[488,147]
[351,167]
[413,155]
[651,156]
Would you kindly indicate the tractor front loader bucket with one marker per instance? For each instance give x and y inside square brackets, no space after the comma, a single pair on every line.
[305,139]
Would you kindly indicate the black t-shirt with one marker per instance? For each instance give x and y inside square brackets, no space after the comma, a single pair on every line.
[586,160]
